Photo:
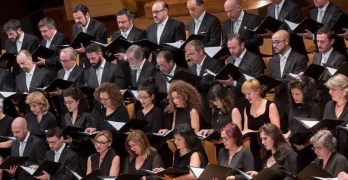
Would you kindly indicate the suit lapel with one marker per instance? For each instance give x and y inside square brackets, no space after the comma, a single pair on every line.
[288,63]
[143,71]
[283,12]
[15,149]
[27,146]
[34,83]
[192,27]
[243,60]
[204,66]
[133,77]
[131,34]
[54,41]
[327,15]
[202,27]
[272,10]
[244,22]
[165,29]
[62,155]
[72,75]
[105,72]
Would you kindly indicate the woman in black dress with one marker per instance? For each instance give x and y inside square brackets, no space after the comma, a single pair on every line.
[5,130]
[224,111]
[235,155]
[324,146]
[39,119]
[190,151]
[105,159]
[141,155]
[187,104]
[148,90]
[275,150]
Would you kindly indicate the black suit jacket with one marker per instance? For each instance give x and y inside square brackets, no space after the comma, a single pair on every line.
[68,158]
[291,12]
[148,70]
[210,28]
[6,81]
[76,76]
[295,64]
[35,149]
[335,59]
[96,29]
[331,14]
[41,78]
[250,21]
[135,34]
[112,73]
[161,82]
[52,64]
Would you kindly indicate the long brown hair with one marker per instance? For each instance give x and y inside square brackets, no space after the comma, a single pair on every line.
[139,138]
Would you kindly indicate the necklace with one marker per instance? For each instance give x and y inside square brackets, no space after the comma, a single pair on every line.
[341,104]
[219,116]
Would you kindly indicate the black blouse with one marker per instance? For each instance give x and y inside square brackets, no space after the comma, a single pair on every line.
[84,120]
[119,115]
[254,123]
[335,164]
[298,111]
[105,165]
[329,112]
[218,121]
[182,116]
[151,162]
[182,162]
[48,121]
[5,127]
[155,117]
[242,160]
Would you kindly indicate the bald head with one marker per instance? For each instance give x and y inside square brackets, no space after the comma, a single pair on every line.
[233,9]
[19,128]
[281,42]
[282,34]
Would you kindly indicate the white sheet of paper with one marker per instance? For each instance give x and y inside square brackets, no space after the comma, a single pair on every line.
[7,94]
[310,123]
[244,174]
[76,175]
[176,44]
[135,93]
[28,169]
[109,178]
[197,171]
[320,178]
[211,51]
[163,134]
[9,137]
[210,72]
[95,132]
[101,44]
[117,125]
[247,77]
[291,24]
[296,76]
[332,71]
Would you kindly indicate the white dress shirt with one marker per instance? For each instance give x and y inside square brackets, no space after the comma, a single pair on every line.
[99,71]
[58,153]
[29,77]
[278,8]
[198,22]
[139,70]
[283,60]
[19,42]
[23,144]
[160,28]
[325,57]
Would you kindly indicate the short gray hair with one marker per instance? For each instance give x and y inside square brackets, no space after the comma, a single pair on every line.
[338,81]
[138,53]
[70,51]
[47,21]
[325,138]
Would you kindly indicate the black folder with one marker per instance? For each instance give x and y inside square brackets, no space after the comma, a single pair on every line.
[90,135]
[187,77]
[118,45]
[82,37]
[315,124]
[229,69]
[134,124]
[91,176]
[269,23]
[343,69]
[58,84]
[89,92]
[265,80]
[147,45]
[313,170]
[42,52]
[12,138]
[268,174]
[307,23]
[130,96]
[122,177]
[13,161]
[221,54]
[49,166]
[172,172]
[250,134]
[314,71]
[210,137]
[300,137]
[340,23]
[8,56]
[13,95]
[211,171]
[190,38]
[71,131]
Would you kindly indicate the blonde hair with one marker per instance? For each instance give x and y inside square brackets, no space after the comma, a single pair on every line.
[38,98]
[338,81]
[139,138]
[251,84]
[105,133]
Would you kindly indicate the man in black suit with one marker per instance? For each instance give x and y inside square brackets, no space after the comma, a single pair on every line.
[203,23]
[242,58]
[25,145]
[327,14]
[327,55]
[91,26]
[287,10]
[125,23]
[18,40]
[165,29]
[286,61]
[51,37]
[59,153]
[195,51]
[238,21]
[140,67]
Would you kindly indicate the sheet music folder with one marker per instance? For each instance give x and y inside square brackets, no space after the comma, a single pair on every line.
[190,38]
[144,43]
[91,176]
[118,45]
[49,166]
[228,69]
[265,174]
[58,84]
[300,137]
[172,172]
[71,131]
[82,37]
[13,161]
[314,124]
[314,71]
[269,23]
[340,23]
[312,170]
[211,171]
[134,124]
[210,137]
[265,80]
[122,177]
[42,52]
[307,23]
[187,77]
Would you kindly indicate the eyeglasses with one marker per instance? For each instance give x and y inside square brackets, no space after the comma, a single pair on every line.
[52,143]
[64,61]
[156,12]
[100,142]
[68,102]
[277,42]
[224,139]
[104,99]
[317,148]
[144,97]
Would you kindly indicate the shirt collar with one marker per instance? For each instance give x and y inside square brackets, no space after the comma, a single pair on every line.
[88,20]
[102,65]
[327,53]
[31,71]
[280,5]
[61,149]
[201,64]
[127,32]
[201,17]
[71,68]
[286,55]
[21,37]
[242,55]
[173,70]
[164,22]
[26,138]
[55,31]
[325,7]
[142,64]
[240,18]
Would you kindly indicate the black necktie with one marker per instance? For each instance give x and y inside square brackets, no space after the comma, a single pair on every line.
[232,29]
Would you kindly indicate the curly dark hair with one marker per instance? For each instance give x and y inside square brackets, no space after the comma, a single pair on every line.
[189,94]
[77,95]
[116,98]
[308,89]
[187,132]
[149,85]
[218,92]
[274,132]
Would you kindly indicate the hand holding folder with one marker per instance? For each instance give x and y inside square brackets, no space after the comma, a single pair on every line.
[171,172]
[82,38]
[48,166]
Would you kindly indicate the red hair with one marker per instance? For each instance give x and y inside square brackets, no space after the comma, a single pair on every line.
[233,131]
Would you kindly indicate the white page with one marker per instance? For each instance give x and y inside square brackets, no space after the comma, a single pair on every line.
[196,171]
[244,174]
[101,44]
[9,137]
[7,94]
[291,24]
[296,76]
[76,175]
[95,132]
[310,123]
[320,178]
[210,72]
[28,169]
[176,44]
[247,77]
[332,71]
[163,134]
[211,51]
[109,178]
[117,125]
[135,93]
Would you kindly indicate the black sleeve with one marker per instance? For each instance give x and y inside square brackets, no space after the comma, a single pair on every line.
[158,120]
[71,163]
[8,82]
[156,163]
[215,33]
[119,78]
[247,162]
[290,162]
[40,149]
[126,165]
